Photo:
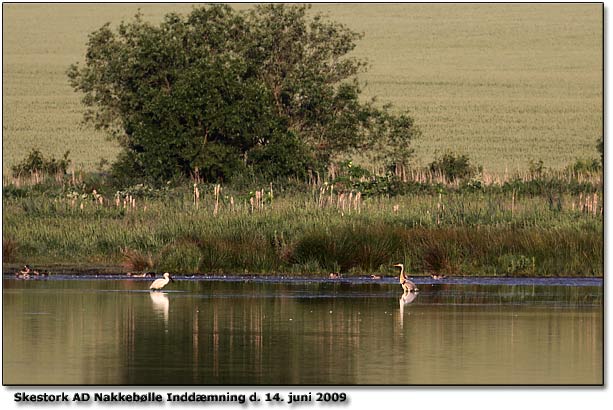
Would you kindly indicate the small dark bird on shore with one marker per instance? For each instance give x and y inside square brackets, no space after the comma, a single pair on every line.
[27,272]
[24,273]
[141,275]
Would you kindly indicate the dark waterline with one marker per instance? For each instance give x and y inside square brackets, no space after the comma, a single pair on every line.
[423,280]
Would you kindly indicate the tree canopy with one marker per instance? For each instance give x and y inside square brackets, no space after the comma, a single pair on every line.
[218,90]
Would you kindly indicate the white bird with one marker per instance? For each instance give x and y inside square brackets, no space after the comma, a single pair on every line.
[406,284]
[159,284]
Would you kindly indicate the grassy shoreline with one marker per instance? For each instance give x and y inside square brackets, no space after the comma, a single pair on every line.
[316,233]
[542,102]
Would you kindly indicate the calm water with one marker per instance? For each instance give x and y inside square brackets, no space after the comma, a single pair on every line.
[114,331]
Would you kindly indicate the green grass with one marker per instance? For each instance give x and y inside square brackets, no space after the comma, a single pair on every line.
[502,83]
[455,233]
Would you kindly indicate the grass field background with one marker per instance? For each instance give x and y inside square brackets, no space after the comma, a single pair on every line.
[503,83]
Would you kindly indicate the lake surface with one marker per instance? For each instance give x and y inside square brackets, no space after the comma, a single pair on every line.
[216,331]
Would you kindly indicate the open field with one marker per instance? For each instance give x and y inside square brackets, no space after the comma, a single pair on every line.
[503,83]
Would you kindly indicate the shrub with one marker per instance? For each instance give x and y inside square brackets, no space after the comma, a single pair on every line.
[133,260]
[36,162]
[11,191]
[600,148]
[126,170]
[584,167]
[453,167]
[536,168]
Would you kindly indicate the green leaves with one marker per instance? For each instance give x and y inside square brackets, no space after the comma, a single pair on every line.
[36,162]
[273,75]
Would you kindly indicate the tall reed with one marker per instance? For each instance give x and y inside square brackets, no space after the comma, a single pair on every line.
[455,233]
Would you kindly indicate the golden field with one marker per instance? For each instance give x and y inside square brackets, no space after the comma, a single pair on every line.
[503,83]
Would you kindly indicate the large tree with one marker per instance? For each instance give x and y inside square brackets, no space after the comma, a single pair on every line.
[217,89]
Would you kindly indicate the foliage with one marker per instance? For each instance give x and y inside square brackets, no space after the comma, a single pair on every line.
[435,258]
[282,157]
[11,191]
[455,232]
[585,167]
[200,94]
[133,260]
[600,148]
[352,170]
[536,168]
[350,176]
[36,162]
[514,265]
[454,167]
[345,249]
[126,170]
[181,257]
[388,185]
[143,191]
[546,186]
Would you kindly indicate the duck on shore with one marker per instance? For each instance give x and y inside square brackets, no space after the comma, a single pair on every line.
[24,273]
[141,274]
[27,272]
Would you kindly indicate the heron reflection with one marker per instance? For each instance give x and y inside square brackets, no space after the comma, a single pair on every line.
[405,299]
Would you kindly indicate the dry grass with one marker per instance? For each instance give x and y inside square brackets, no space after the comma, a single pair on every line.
[136,261]
[10,249]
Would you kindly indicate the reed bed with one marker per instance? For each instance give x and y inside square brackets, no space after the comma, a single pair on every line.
[313,233]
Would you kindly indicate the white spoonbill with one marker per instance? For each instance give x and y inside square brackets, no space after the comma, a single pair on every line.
[406,284]
[159,284]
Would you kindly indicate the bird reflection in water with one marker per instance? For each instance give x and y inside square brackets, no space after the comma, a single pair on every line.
[405,299]
[160,304]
